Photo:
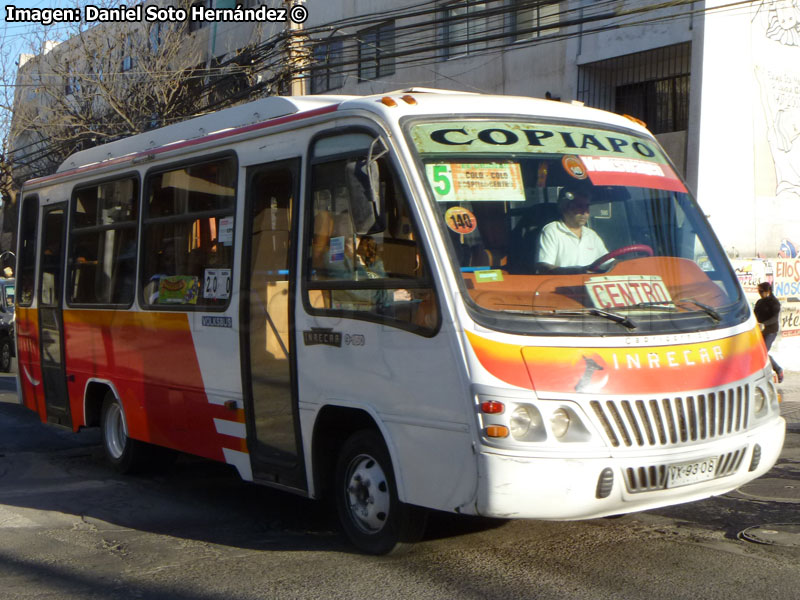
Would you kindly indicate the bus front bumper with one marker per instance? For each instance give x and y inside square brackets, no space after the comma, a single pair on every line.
[524,487]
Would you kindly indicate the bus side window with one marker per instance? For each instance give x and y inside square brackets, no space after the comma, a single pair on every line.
[365,267]
[26,275]
[187,236]
[102,247]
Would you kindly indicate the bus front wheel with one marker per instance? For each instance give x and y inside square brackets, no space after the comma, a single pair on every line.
[369,510]
[124,454]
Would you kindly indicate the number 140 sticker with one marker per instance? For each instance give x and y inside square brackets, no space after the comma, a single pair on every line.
[217,284]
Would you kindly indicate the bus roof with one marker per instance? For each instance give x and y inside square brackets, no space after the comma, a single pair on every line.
[227,119]
[428,102]
[265,112]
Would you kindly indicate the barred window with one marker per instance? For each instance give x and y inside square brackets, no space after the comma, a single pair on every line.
[325,73]
[463,24]
[663,104]
[373,46]
[533,20]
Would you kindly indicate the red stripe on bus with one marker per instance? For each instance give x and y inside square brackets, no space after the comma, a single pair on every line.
[201,140]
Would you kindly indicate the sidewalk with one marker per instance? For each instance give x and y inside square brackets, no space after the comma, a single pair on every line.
[790,406]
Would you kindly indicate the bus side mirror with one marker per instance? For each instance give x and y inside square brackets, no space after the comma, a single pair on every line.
[363,181]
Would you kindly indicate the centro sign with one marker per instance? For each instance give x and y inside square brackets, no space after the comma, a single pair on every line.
[620,292]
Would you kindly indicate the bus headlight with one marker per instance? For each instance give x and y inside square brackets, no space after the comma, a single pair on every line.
[525,423]
[759,399]
[520,422]
[559,422]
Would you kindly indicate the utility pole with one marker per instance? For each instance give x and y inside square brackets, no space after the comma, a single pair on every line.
[296,53]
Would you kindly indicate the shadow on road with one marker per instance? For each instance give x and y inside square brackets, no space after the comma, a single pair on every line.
[47,468]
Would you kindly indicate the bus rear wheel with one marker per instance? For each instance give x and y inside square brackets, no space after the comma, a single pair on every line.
[372,516]
[123,453]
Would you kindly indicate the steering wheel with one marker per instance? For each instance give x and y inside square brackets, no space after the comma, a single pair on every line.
[619,252]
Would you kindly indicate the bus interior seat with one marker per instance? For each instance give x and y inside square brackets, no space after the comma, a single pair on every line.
[492,225]
[525,235]
[323,229]
[399,257]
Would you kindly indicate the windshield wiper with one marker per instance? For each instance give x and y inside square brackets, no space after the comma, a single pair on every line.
[704,307]
[597,312]
[659,303]
[683,301]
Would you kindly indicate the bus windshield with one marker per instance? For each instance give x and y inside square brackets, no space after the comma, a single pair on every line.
[573,229]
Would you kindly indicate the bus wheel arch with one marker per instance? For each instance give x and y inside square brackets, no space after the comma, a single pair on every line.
[93,402]
[332,427]
[350,448]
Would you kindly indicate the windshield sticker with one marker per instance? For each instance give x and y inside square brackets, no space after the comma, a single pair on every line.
[226,231]
[574,166]
[178,289]
[482,137]
[460,220]
[337,249]
[493,182]
[488,276]
[627,291]
[631,172]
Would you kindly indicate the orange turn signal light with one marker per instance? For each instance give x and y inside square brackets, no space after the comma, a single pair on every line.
[409,99]
[497,431]
[388,101]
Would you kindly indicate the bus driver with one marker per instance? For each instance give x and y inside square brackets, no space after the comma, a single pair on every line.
[568,242]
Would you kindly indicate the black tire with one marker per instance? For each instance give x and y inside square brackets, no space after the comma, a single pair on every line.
[123,453]
[6,353]
[372,516]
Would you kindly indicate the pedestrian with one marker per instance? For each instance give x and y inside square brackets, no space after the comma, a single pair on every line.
[768,312]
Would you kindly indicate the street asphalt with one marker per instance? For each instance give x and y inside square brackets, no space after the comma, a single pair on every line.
[765,488]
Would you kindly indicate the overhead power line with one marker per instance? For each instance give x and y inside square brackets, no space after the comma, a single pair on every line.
[418,41]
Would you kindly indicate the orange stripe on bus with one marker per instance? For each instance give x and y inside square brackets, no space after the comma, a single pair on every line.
[623,370]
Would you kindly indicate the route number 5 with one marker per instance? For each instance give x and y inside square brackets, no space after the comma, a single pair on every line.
[441,180]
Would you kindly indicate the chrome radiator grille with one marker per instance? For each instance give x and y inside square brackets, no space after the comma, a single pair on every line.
[668,421]
[654,477]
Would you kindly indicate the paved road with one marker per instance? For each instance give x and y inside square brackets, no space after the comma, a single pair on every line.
[8,387]
[72,529]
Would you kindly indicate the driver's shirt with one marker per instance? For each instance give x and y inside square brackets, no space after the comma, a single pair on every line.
[559,247]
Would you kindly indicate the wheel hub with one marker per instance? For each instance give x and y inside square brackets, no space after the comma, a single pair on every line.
[368,494]
[116,434]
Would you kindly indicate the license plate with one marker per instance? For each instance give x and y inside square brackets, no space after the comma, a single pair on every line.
[691,472]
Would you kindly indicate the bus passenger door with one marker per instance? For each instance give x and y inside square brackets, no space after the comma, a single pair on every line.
[51,321]
[268,363]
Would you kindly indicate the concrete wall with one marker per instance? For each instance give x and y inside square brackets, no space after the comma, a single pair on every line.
[749,160]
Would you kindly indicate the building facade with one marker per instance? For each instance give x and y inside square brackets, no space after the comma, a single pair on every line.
[717,82]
